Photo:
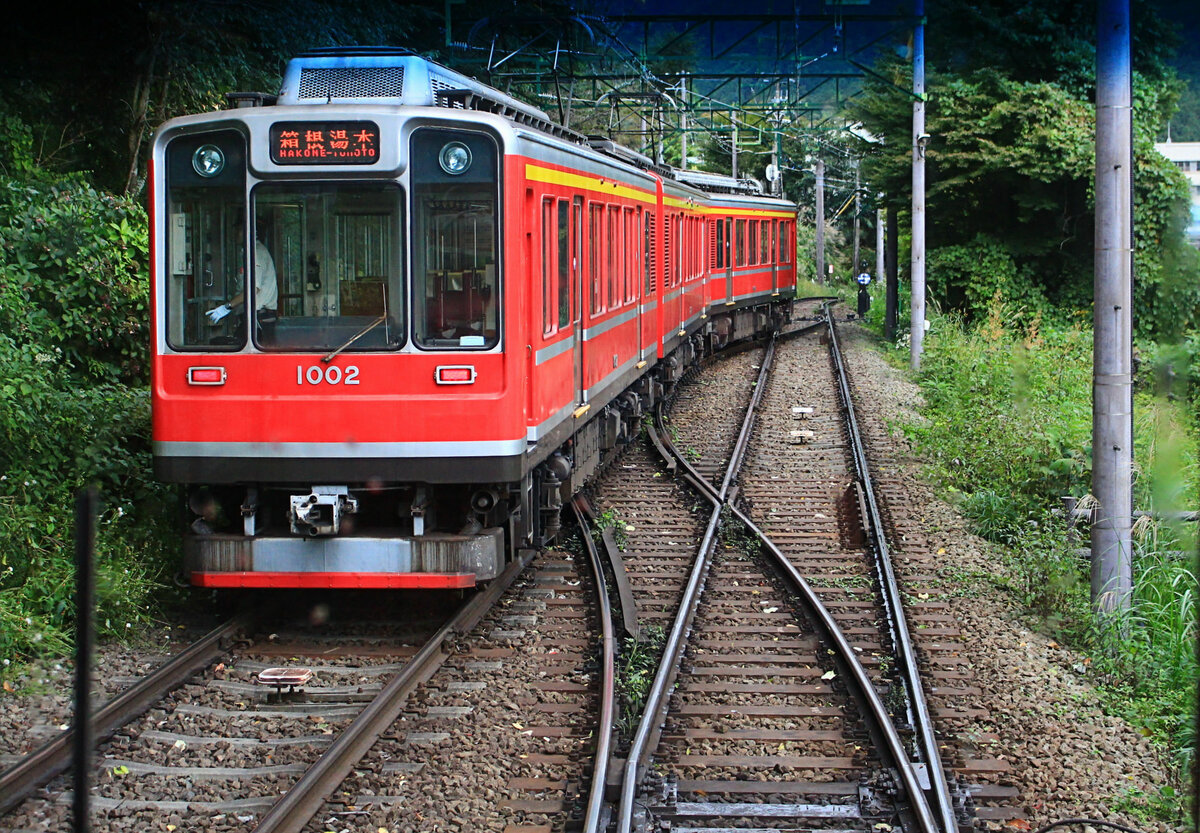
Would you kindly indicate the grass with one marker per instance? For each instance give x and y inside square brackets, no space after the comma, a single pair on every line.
[1006,429]
[638,665]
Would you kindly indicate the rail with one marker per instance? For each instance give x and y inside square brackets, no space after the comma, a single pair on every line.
[918,815]
[300,804]
[19,781]
[657,700]
[938,790]
[596,817]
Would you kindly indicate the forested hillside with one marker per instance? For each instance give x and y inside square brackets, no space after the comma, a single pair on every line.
[1010,162]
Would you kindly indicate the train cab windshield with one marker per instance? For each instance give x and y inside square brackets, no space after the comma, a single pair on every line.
[455,255]
[339,261]
[326,267]
[328,261]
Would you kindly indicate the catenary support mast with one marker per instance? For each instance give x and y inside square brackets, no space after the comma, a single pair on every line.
[1112,383]
[917,321]
[820,169]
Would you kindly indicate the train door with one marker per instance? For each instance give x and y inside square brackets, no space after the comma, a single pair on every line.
[575,275]
[773,254]
[578,293]
[727,243]
[637,253]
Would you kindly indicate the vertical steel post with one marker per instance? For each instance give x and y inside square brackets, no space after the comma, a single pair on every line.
[820,221]
[892,264]
[879,242]
[683,104]
[1112,382]
[854,270]
[777,182]
[85,538]
[917,321]
[733,121]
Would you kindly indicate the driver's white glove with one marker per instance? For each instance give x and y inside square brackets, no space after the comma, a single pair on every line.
[215,315]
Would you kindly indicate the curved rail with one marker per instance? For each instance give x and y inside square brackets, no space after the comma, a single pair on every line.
[885,734]
[939,790]
[19,781]
[298,805]
[657,698]
[596,816]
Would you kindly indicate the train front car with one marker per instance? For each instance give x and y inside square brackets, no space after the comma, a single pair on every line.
[330,374]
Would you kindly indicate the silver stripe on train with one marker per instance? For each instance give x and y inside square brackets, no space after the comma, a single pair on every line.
[480,448]
[557,349]
[605,326]
[536,432]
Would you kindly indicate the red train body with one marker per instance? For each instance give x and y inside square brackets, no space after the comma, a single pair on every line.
[455,311]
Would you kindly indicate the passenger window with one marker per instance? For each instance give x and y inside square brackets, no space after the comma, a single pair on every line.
[456,288]
[595,264]
[564,263]
[549,235]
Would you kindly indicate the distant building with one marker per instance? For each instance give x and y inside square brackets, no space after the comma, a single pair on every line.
[1186,156]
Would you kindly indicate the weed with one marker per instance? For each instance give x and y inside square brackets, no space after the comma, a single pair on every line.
[1006,429]
[735,535]
[1165,804]
[610,519]
[638,666]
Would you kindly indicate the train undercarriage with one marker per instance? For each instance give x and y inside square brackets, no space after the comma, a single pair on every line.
[377,532]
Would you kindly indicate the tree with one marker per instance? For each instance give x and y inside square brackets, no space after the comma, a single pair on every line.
[94,84]
[1010,159]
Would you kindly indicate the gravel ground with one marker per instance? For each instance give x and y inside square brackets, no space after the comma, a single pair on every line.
[38,701]
[1068,757]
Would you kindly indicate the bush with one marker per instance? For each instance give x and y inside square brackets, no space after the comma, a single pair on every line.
[1008,429]
[58,436]
[73,277]
[1008,407]
[970,278]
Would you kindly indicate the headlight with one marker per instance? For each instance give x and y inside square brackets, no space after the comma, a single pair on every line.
[455,158]
[208,161]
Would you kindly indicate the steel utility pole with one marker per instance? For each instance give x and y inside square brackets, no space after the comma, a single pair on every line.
[879,241]
[683,125]
[920,138]
[892,263]
[733,121]
[1112,351]
[854,270]
[820,224]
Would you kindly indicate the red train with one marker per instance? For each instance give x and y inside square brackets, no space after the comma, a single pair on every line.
[454,311]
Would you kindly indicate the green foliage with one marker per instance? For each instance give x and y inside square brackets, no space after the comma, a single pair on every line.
[637,666]
[57,437]
[1009,408]
[1010,160]
[1007,429]
[73,277]
[972,276]
[74,407]
[610,519]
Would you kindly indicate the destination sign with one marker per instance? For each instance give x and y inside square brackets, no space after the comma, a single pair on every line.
[324,143]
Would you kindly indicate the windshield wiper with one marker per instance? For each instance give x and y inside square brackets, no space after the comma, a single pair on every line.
[354,338]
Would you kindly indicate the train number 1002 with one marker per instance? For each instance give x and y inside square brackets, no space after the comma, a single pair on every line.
[331,375]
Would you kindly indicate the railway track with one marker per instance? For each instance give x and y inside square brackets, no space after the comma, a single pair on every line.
[789,710]
[205,744]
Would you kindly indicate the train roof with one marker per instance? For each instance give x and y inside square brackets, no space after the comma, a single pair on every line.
[386,75]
